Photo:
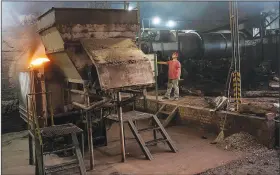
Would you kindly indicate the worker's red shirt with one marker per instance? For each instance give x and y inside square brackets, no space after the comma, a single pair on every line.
[174,69]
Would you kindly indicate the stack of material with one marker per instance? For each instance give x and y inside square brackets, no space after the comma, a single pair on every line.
[240,141]
[218,103]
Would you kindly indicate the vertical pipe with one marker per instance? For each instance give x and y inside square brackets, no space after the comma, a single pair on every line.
[51,108]
[83,144]
[156,86]
[121,126]
[90,141]
[261,35]
[139,28]
[238,54]
[28,122]
[156,77]
[278,37]
[44,96]
[30,142]
[145,102]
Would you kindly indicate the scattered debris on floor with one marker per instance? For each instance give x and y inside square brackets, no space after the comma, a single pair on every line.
[264,163]
[241,142]
[259,160]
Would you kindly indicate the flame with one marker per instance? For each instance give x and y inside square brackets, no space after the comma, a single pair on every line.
[39,56]
[39,61]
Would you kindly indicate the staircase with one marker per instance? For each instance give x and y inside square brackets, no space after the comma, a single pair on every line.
[170,114]
[131,117]
[49,135]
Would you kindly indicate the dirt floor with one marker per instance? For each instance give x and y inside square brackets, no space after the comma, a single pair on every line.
[196,155]
[193,153]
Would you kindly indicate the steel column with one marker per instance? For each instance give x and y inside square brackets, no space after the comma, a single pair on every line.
[90,141]
[30,144]
[121,126]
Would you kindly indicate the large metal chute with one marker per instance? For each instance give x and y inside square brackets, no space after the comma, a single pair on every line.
[103,39]
[119,63]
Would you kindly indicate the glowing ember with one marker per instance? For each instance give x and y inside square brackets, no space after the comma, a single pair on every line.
[39,61]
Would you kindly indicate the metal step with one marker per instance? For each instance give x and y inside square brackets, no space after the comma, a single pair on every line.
[153,142]
[61,167]
[58,151]
[148,129]
[165,112]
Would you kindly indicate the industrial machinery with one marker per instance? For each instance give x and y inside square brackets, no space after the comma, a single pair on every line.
[93,57]
[206,57]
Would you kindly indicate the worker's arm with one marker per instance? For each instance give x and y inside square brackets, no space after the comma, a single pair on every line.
[162,62]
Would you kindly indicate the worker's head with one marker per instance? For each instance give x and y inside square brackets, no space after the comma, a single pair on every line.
[175,55]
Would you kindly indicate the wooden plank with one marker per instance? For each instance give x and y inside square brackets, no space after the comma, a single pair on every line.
[140,141]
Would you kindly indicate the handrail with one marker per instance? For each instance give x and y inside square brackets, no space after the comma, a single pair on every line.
[94,105]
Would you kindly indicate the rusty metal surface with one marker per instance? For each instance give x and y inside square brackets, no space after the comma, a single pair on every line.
[73,17]
[98,31]
[46,21]
[94,16]
[72,36]
[131,115]
[63,61]
[119,63]
[106,36]
[52,40]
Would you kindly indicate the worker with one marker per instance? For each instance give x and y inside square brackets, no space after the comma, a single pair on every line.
[174,73]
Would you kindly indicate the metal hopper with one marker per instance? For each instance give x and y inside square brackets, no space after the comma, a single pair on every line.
[76,39]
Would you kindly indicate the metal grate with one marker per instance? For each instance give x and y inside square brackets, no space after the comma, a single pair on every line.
[60,130]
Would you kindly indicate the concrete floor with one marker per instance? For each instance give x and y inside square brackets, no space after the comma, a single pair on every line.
[195,155]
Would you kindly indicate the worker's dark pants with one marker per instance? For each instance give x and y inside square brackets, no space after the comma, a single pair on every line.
[172,84]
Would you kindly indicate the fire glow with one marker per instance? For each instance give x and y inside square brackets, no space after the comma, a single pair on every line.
[39,61]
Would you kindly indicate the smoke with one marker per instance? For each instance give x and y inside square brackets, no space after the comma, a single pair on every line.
[34,42]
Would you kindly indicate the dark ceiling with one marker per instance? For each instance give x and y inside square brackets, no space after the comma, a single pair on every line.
[197,15]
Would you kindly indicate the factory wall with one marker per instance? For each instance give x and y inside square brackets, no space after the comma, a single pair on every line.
[202,118]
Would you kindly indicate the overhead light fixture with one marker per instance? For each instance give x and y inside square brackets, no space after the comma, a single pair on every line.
[156,20]
[170,23]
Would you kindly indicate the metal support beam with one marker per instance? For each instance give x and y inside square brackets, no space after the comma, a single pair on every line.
[90,140]
[121,126]
[30,144]
[139,25]
[279,58]
[156,77]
